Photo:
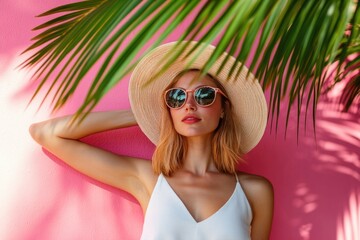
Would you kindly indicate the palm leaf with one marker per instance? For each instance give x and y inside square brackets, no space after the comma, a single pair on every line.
[295,42]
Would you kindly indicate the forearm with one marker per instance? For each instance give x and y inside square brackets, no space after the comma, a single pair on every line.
[94,122]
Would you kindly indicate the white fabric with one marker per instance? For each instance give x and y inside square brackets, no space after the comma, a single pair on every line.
[167,218]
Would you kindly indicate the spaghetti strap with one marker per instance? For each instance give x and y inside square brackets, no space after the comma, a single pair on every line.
[237,178]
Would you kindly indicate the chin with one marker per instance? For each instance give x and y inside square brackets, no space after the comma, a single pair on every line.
[195,132]
[195,135]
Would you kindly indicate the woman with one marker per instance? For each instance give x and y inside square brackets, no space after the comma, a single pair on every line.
[201,126]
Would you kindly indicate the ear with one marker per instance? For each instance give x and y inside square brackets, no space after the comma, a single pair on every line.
[222,114]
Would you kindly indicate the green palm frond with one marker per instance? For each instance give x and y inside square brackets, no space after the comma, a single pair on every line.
[295,41]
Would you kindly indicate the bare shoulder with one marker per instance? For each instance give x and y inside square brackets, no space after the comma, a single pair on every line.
[260,194]
[256,187]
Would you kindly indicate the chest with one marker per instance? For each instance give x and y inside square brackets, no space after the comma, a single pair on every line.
[201,199]
[193,211]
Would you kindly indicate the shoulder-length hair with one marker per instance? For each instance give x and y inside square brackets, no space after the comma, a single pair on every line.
[172,148]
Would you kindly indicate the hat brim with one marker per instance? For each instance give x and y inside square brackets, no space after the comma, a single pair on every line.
[243,90]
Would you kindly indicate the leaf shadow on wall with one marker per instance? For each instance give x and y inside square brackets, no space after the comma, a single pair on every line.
[314,181]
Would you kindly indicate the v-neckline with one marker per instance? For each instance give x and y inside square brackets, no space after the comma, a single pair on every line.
[187,210]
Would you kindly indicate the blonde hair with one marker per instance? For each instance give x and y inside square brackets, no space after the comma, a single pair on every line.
[172,147]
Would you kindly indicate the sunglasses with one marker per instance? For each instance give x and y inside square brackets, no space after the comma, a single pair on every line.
[204,96]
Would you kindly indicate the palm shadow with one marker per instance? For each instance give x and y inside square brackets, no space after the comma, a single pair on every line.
[314,180]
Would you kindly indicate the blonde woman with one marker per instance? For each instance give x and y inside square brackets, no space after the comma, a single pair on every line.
[201,126]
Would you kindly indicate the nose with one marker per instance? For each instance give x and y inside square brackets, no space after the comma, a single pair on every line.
[190,103]
[189,107]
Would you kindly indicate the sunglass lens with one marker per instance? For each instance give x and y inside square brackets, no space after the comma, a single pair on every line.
[205,96]
[175,98]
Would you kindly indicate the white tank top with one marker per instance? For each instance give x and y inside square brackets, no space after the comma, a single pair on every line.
[167,218]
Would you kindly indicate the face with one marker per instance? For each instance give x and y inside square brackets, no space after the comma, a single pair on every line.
[192,120]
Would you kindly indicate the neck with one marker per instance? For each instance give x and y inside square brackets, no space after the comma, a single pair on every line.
[198,159]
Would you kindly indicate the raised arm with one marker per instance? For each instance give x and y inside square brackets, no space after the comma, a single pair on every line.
[62,139]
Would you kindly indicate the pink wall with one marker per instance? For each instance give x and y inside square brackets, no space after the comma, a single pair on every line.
[316,184]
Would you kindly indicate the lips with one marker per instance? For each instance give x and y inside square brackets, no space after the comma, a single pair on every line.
[190,119]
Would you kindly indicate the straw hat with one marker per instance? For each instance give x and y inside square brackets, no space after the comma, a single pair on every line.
[244,92]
